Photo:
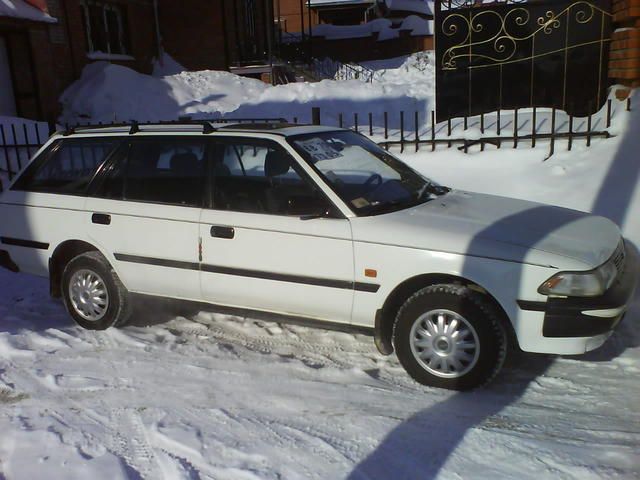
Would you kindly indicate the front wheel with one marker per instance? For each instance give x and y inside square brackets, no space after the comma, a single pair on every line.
[93,293]
[450,336]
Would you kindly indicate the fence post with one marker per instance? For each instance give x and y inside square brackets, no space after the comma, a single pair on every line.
[433,131]
[449,132]
[371,124]
[315,115]
[386,125]
[629,104]
[26,142]
[415,121]
[15,144]
[340,122]
[6,151]
[401,131]
[534,126]
[355,121]
[552,148]
[608,113]
[589,130]
[482,132]
[570,132]
[515,128]
[37,126]
[498,129]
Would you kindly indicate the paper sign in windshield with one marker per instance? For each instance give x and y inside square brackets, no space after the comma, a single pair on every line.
[319,149]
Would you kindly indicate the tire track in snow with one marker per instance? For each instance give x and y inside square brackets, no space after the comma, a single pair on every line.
[313,355]
[128,436]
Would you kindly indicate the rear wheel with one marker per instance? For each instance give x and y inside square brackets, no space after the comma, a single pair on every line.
[93,293]
[450,336]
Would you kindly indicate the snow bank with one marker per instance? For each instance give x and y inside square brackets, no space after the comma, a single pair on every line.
[166,65]
[107,93]
[22,10]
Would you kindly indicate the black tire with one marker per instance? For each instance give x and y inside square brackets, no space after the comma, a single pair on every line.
[478,316]
[118,308]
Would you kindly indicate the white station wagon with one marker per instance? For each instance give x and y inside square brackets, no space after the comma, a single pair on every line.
[312,223]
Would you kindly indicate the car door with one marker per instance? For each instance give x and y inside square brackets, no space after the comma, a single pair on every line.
[145,214]
[265,243]
[45,206]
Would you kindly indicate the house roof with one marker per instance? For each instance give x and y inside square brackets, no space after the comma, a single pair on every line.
[338,3]
[424,7]
[22,10]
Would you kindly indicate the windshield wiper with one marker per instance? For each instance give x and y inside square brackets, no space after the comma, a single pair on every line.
[430,188]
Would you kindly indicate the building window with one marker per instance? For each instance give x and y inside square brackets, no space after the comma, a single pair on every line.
[104,25]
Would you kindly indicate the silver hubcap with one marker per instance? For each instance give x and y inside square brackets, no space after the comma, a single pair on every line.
[445,343]
[88,294]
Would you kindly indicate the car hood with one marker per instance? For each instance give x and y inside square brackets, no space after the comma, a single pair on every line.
[497,227]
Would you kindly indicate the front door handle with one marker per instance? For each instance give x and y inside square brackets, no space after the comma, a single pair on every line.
[101,219]
[223,232]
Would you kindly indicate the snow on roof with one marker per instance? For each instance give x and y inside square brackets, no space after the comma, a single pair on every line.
[323,3]
[383,26]
[424,7]
[21,9]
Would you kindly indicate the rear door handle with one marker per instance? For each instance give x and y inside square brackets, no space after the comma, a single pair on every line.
[101,219]
[223,232]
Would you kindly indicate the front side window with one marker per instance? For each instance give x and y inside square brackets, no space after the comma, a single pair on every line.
[366,177]
[159,171]
[69,168]
[261,177]
[104,25]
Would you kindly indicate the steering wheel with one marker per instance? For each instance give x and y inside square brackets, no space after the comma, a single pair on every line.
[374,181]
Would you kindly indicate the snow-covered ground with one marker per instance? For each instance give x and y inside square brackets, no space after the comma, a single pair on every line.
[213,396]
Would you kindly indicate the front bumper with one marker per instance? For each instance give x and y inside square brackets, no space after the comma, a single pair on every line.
[6,262]
[574,317]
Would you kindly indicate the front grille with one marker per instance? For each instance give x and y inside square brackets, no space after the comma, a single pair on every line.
[619,256]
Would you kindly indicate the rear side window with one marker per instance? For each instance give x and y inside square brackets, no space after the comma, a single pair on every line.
[68,168]
[159,171]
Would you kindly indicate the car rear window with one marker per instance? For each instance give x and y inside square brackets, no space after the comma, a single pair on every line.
[67,168]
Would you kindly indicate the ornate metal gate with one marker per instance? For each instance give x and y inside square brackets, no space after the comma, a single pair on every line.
[512,54]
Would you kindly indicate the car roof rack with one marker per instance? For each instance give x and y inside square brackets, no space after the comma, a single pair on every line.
[208,125]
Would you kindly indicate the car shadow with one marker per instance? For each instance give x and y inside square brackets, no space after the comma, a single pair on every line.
[423,443]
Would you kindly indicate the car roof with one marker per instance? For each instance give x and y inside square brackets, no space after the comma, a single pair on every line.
[197,126]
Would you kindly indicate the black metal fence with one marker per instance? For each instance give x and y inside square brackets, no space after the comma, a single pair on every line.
[408,130]
[18,142]
[521,54]
[404,131]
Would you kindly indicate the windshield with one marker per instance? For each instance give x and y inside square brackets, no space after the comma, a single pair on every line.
[366,177]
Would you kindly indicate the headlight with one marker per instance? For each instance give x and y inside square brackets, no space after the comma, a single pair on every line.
[591,283]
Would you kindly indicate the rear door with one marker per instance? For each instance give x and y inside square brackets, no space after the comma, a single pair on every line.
[264,245]
[145,214]
[45,206]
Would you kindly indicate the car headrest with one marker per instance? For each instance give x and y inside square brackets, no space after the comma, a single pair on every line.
[185,163]
[276,163]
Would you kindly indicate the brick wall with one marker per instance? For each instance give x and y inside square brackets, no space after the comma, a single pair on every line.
[193,33]
[624,60]
[288,12]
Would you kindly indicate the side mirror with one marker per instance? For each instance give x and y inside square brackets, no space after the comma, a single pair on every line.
[308,207]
